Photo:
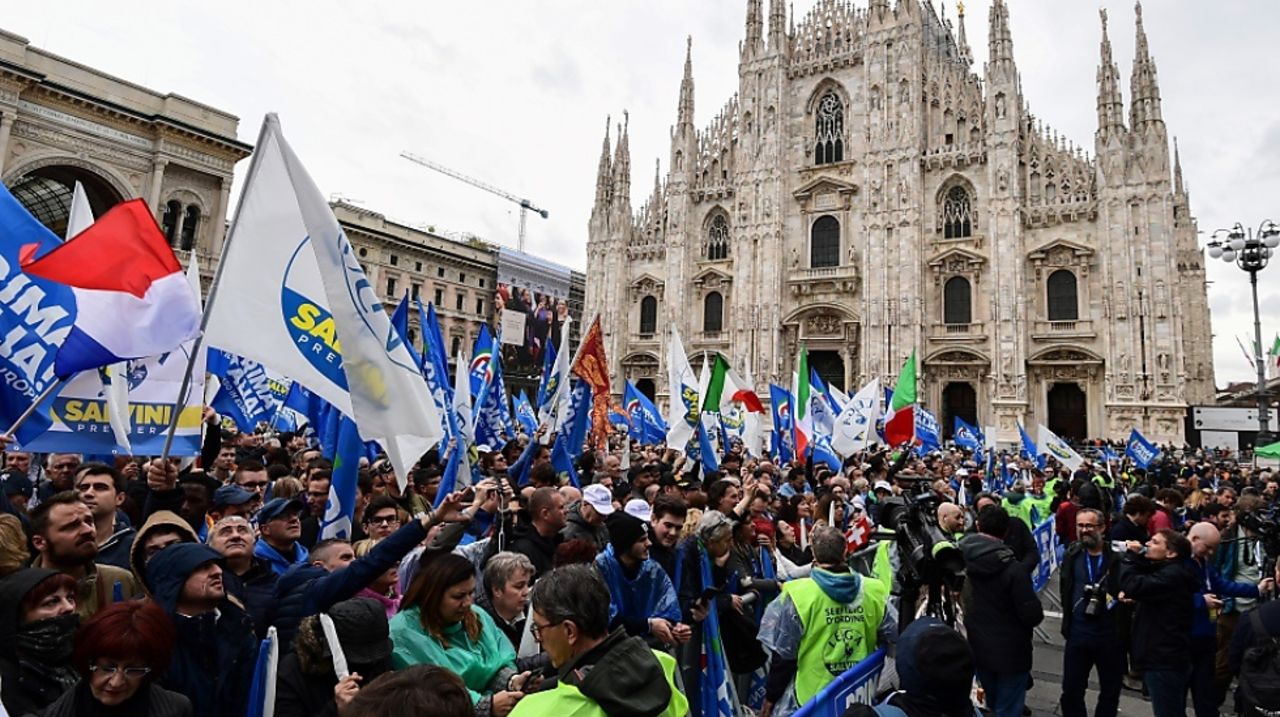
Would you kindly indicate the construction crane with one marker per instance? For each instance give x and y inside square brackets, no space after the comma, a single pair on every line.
[525,205]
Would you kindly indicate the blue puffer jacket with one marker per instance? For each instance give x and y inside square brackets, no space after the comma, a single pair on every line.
[214,657]
[310,590]
[634,600]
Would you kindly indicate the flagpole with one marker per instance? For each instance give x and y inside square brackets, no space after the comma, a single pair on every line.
[198,343]
[49,390]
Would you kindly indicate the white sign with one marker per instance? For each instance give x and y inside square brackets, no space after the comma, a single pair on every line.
[512,328]
[1228,440]
[1213,418]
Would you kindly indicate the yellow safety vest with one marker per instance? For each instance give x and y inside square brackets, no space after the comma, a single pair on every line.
[1021,511]
[882,567]
[836,636]
[568,701]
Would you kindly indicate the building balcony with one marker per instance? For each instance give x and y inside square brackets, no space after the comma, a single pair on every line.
[704,339]
[1051,331]
[642,339]
[960,333]
[835,279]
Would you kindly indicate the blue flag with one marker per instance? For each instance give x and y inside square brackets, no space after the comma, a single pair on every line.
[245,394]
[1029,449]
[928,433]
[562,458]
[647,424]
[481,360]
[525,415]
[1142,451]
[547,386]
[400,321]
[458,473]
[578,419]
[970,436]
[35,317]
[706,452]
[713,680]
[783,436]
[435,369]
[339,511]
[823,453]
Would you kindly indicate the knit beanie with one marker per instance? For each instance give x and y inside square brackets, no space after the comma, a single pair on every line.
[624,531]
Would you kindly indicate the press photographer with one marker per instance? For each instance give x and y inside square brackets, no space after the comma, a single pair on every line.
[928,558]
[1089,581]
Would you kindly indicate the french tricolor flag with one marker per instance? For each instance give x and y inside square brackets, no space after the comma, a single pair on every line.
[132,299]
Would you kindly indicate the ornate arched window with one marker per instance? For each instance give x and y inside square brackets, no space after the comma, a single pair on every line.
[957,302]
[957,214]
[190,220]
[648,315]
[1063,300]
[829,135]
[718,239]
[824,243]
[172,217]
[713,312]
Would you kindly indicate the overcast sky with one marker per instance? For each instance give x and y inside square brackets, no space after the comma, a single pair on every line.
[516,93]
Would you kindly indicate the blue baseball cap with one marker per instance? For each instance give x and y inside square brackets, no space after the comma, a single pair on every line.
[231,495]
[278,508]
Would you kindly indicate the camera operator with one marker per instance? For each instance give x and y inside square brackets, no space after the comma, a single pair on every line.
[1088,579]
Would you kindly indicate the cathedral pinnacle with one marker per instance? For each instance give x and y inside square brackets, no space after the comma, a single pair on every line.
[1177,169]
[1110,104]
[622,165]
[777,27]
[962,40]
[604,174]
[1143,84]
[753,44]
[1000,40]
[685,113]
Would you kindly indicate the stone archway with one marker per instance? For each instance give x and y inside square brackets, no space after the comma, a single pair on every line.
[45,189]
[1066,409]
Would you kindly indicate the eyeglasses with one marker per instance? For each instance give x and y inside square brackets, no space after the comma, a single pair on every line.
[1087,526]
[109,671]
[537,629]
[384,520]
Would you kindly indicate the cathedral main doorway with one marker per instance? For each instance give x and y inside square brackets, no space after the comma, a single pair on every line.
[645,386]
[958,400]
[1066,412]
[829,367]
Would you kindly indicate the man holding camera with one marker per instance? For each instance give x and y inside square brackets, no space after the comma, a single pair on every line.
[1088,579]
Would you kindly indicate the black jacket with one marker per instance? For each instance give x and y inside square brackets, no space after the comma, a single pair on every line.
[621,675]
[1000,606]
[1244,637]
[1067,579]
[309,589]
[1126,530]
[151,700]
[1162,621]
[1023,543]
[526,540]
[299,694]
[215,654]
[577,527]
[255,589]
[27,684]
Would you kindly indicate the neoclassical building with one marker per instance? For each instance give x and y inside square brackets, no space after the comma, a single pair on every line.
[867,193]
[62,123]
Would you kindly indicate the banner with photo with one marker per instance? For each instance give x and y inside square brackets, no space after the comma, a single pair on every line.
[539,315]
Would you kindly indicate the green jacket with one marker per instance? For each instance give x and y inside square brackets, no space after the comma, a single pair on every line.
[483,663]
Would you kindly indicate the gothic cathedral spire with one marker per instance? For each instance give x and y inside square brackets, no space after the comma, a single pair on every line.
[777,27]
[753,44]
[1110,103]
[966,55]
[1142,83]
[1000,43]
[622,167]
[604,173]
[685,114]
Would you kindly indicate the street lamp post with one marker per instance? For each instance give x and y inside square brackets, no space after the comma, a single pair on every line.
[1251,253]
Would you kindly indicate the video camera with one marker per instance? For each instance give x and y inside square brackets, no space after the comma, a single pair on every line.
[924,549]
[1266,528]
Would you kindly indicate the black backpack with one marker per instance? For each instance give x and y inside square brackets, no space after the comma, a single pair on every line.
[1260,673]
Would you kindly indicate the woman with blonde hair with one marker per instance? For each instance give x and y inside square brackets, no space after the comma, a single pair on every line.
[13,545]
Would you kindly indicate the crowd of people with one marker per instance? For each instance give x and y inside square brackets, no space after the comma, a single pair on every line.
[145,587]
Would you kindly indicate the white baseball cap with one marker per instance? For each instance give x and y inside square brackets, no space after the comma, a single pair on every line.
[598,497]
[638,508]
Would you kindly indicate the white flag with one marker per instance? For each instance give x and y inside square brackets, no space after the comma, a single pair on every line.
[462,401]
[683,396]
[752,433]
[556,405]
[293,297]
[1049,444]
[855,427]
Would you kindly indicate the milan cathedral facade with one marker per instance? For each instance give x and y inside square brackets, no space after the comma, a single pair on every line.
[867,193]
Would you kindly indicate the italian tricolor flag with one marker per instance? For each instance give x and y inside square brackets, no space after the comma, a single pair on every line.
[900,419]
[800,414]
[725,387]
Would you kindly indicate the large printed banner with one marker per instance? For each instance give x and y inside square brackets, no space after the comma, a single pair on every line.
[543,316]
[856,686]
[79,412]
[1050,553]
